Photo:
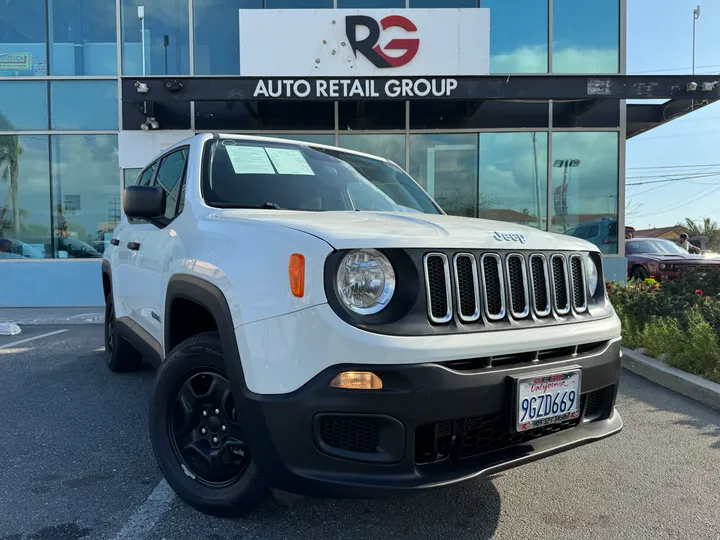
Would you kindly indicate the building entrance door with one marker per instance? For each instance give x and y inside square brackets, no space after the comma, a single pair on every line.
[452,177]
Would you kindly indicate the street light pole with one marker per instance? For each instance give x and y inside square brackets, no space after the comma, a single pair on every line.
[696,16]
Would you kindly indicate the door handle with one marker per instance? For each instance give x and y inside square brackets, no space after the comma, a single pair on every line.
[115,242]
[133,246]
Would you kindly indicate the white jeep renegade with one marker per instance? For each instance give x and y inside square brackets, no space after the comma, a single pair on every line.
[321,327]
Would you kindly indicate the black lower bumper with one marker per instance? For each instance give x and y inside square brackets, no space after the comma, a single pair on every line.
[430,425]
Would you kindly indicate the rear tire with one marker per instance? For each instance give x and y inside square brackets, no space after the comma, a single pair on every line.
[640,273]
[120,355]
[197,439]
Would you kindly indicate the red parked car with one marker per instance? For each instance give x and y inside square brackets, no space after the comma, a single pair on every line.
[661,258]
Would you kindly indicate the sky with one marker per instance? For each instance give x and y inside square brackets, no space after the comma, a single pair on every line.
[660,41]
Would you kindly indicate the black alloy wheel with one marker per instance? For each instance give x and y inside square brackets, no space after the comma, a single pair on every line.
[204,429]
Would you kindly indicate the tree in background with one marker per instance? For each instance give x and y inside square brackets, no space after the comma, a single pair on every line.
[709,228]
[10,152]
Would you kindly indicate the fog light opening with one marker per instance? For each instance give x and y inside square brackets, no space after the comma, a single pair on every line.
[357,380]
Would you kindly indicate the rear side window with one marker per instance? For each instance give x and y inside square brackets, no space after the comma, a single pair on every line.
[171,177]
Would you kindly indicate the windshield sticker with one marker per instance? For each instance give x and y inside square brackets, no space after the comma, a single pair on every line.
[289,161]
[249,160]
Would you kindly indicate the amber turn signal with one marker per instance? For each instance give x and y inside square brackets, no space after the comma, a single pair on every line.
[296,273]
[357,380]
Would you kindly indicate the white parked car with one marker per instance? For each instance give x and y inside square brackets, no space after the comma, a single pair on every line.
[321,327]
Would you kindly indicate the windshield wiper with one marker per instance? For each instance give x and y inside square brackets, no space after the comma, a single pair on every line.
[270,205]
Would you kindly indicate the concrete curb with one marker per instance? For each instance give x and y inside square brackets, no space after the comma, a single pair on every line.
[688,385]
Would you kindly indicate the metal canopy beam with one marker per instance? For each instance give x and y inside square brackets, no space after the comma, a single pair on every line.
[643,117]
[527,87]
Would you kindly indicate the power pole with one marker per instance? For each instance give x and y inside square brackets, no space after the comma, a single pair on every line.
[696,16]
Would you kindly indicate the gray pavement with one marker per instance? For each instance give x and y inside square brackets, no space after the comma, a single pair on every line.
[75,462]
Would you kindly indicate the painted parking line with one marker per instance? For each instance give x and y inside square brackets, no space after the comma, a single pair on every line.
[147,514]
[27,340]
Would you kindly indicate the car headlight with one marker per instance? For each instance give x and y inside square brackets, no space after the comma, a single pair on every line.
[365,281]
[592,276]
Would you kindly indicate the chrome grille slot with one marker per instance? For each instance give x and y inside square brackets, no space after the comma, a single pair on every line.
[577,274]
[493,286]
[467,287]
[437,287]
[540,285]
[560,290]
[517,285]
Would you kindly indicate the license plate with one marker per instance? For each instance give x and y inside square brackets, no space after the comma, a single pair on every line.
[547,398]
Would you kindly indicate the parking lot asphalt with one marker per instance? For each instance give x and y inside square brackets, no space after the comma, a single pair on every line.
[76,463]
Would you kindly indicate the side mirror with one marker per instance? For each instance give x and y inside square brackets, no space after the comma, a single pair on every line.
[146,202]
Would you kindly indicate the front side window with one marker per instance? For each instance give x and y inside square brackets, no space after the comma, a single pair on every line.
[249,174]
[170,177]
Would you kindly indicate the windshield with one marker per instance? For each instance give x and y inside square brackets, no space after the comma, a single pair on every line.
[664,247]
[266,174]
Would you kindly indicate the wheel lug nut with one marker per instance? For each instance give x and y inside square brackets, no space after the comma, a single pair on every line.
[224,428]
[215,440]
[204,413]
[217,411]
[203,431]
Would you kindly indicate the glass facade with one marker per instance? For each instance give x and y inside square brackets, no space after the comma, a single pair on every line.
[552,166]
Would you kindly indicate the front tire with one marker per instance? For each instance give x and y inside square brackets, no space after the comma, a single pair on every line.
[640,273]
[197,439]
[120,355]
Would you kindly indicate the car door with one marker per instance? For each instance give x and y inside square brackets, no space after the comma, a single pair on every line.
[160,244]
[129,287]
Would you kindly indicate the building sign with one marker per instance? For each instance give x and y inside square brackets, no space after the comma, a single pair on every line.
[18,61]
[137,149]
[401,88]
[364,43]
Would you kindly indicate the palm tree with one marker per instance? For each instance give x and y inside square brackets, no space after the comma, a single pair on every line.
[10,152]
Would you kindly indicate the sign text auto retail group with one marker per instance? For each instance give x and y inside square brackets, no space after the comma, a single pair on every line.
[362,88]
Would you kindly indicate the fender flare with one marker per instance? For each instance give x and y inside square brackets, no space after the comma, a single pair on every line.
[212,299]
[107,271]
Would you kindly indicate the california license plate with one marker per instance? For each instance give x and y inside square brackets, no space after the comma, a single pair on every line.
[547,398]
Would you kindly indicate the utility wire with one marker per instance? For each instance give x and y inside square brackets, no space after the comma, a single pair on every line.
[675,69]
[676,166]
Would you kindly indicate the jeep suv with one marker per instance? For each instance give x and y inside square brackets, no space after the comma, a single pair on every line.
[321,327]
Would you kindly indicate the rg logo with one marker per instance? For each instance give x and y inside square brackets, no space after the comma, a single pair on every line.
[370,48]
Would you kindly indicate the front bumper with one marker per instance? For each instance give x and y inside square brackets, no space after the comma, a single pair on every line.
[433,424]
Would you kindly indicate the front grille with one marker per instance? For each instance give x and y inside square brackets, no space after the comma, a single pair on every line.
[492,288]
[351,433]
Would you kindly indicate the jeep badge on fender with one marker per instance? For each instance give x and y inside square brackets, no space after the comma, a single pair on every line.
[313,332]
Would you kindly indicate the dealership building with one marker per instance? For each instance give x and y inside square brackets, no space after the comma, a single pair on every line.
[512,110]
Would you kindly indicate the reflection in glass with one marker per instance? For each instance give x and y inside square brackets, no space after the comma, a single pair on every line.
[83,38]
[443,3]
[130,177]
[23,46]
[23,105]
[513,178]
[519,36]
[586,36]
[84,105]
[167,48]
[446,165]
[370,4]
[217,35]
[24,197]
[390,147]
[86,197]
[328,139]
[298,4]
[585,187]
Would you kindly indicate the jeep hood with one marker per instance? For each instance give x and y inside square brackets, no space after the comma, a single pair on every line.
[348,230]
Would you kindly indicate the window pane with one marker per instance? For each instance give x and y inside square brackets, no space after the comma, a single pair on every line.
[446,165]
[84,104]
[23,105]
[167,48]
[390,147]
[22,38]
[130,177]
[84,38]
[518,35]
[298,4]
[328,139]
[86,195]
[217,35]
[169,177]
[24,197]
[586,36]
[443,3]
[585,185]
